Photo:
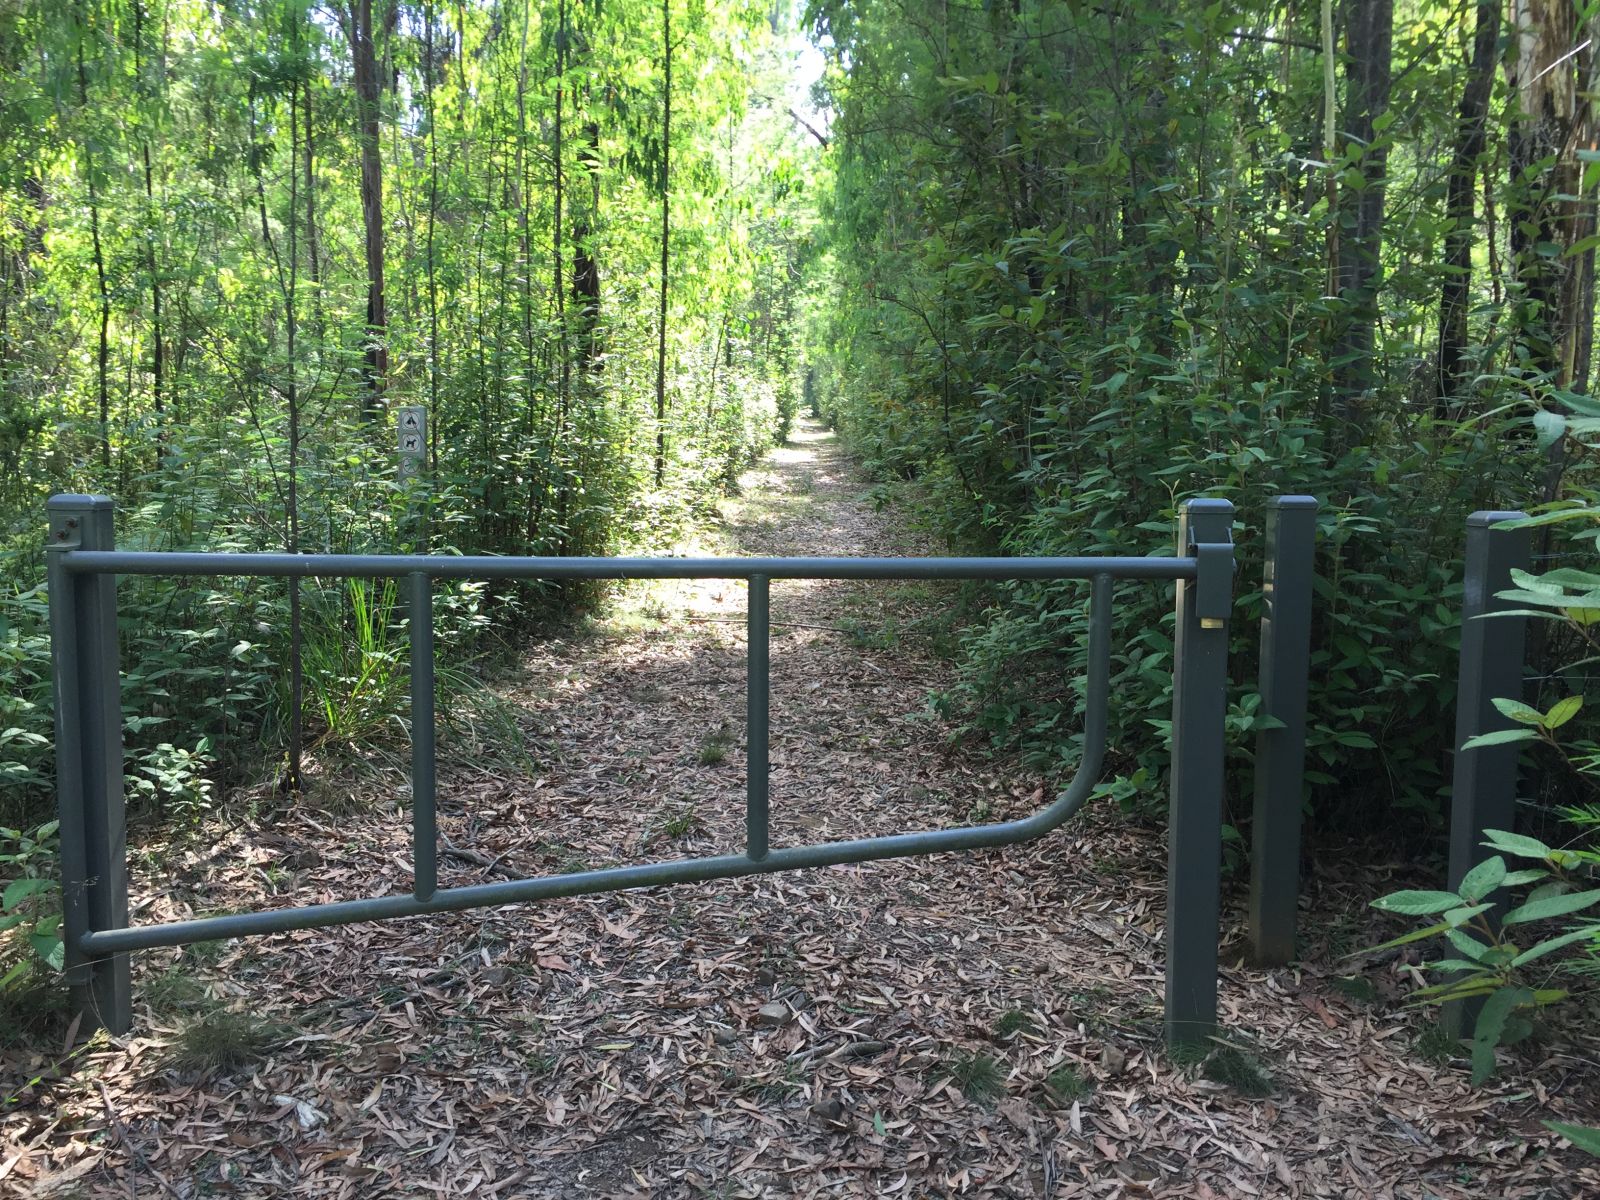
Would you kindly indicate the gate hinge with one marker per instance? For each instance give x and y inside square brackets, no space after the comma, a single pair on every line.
[66,532]
[1214,567]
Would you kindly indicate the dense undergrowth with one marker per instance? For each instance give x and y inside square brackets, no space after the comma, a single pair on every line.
[1077,276]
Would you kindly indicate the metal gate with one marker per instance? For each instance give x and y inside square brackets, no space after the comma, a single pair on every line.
[84,563]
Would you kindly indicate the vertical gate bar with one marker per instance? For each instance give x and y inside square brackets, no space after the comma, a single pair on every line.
[424,817]
[1281,752]
[1194,834]
[66,534]
[1484,781]
[89,780]
[759,629]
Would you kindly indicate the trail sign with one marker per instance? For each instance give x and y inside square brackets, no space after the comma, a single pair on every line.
[411,428]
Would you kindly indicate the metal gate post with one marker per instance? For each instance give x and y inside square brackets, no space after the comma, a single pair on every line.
[1194,831]
[1483,792]
[1484,781]
[89,786]
[1281,752]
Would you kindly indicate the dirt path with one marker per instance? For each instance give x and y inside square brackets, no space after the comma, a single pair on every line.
[971,1024]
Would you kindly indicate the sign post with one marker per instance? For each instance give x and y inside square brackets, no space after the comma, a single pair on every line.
[411,427]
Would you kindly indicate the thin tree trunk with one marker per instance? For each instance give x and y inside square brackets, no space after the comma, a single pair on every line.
[103,358]
[157,361]
[558,242]
[369,87]
[666,234]
[1456,289]
[585,270]
[313,252]
[1369,31]
[534,508]
[433,282]
[296,671]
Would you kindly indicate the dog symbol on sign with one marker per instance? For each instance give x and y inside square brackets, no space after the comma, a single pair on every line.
[411,444]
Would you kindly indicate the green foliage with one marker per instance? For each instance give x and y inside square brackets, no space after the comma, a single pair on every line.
[184,327]
[981,1077]
[1239,1070]
[1012,1022]
[1493,964]
[1066,1084]
[219,1039]
[714,747]
[1581,1136]
[1089,297]
[30,907]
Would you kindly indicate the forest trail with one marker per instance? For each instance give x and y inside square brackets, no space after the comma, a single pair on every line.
[973,1024]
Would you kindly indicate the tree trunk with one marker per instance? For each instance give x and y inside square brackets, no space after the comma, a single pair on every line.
[313,253]
[558,264]
[292,399]
[585,270]
[103,356]
[1456,290]
[1552,72]
[1369,29]
[666,234]
[369,88]
[433,214]
[152,215]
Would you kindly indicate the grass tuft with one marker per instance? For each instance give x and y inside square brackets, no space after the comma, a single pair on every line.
[714,748]
[683,821]
[1356,987]
[224,1038]
[1241,1071]
[1435,1045]
[1011,1022]
[174,991]
[979,1076]
[1066,1085]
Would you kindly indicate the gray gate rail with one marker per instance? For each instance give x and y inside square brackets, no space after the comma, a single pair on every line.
[83,564]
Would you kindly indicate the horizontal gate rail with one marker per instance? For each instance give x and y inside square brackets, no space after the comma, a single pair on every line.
[83,564]
[394,566]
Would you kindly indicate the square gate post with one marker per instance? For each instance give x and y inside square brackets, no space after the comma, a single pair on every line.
[1281,752]
[89,786]
[1483,793]
[1194,828]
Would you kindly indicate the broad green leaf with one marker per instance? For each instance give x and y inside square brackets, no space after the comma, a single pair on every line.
[49,948]
[1491,1022]
[1561,577]
[1562,711]
[1516,843]
[1500,737]
[1453,964]
[1581,1136]
[1555,943]
[1548,428]
[1460,916]
[1552,906]
[1467,944]
[19,890]
[1527,875]
[1524,714]
[1482,879]
[1461,989]
[1549,518]
[1417,903]
[1416,935]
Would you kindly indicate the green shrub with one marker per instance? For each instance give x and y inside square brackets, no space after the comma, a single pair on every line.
[30,907]
[1495,964]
